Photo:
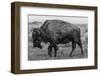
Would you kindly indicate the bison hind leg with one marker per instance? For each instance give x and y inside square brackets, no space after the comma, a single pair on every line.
[80,45]
[73,48]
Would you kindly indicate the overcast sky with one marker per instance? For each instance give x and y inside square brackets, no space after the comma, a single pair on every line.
[71,19]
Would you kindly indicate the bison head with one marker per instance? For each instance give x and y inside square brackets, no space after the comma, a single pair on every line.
[36,35]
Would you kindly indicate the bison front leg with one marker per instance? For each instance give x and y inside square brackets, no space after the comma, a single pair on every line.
[55,50]
[51,46]
[73,48]
[50,50]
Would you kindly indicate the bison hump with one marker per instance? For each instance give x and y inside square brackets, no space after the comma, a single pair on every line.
[58,24]
[58,28]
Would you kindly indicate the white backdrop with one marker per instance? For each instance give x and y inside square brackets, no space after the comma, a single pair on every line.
[5,41]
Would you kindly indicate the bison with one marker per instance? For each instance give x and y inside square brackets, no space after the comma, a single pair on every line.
[57,32]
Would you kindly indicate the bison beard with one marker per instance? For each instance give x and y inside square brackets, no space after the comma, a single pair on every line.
[57,32]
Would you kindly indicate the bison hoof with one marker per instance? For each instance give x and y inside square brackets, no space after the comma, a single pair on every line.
[70,55]
[82,53]
[50,56]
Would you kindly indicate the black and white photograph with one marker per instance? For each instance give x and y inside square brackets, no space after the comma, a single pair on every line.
[53,37]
